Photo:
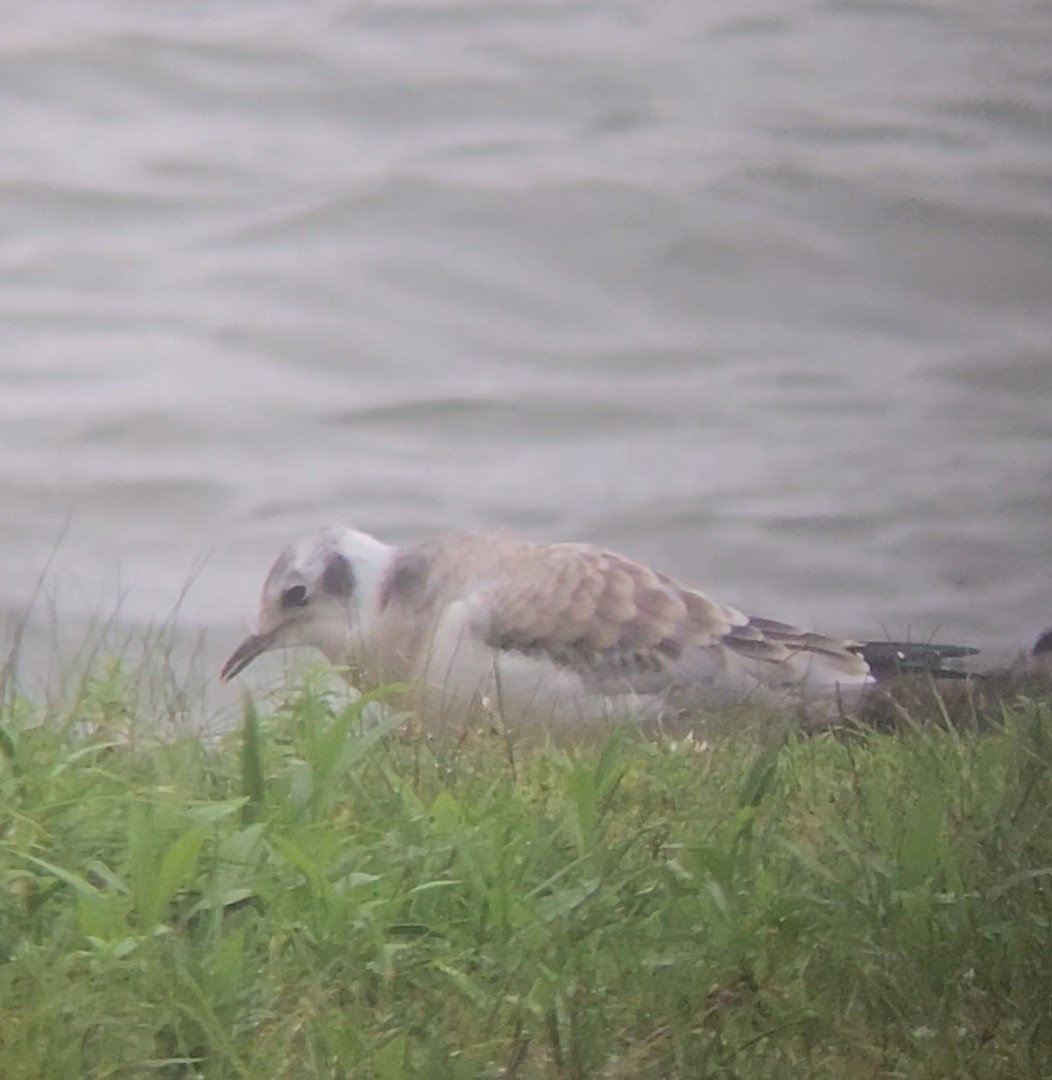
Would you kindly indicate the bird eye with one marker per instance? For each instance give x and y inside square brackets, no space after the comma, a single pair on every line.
[294,596]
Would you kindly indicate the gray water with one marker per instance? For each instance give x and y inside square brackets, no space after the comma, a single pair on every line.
[757,292]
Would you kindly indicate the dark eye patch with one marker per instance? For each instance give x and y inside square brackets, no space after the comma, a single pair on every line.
[294,596]
[338,577]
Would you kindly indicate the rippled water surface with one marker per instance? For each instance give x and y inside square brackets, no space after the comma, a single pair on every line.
[759,292]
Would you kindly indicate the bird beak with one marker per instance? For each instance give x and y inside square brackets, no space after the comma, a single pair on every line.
[254,645]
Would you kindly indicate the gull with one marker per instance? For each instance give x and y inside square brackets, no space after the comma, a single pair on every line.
[561,632]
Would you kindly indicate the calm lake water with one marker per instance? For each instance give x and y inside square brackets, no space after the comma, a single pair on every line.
[758,292]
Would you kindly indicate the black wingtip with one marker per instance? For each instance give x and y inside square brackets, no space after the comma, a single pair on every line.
[888,659]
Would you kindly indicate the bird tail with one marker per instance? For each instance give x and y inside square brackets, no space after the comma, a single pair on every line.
[890,659]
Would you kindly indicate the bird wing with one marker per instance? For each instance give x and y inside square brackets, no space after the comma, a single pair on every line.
[618,623]
[888,659]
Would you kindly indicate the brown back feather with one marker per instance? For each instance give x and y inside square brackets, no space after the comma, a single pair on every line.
[582,607]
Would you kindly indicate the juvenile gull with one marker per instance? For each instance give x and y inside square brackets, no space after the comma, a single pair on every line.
[561,632]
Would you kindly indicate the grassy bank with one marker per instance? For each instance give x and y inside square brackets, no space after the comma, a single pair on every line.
[309,897]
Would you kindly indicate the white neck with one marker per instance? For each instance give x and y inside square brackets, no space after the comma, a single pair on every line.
[369,558]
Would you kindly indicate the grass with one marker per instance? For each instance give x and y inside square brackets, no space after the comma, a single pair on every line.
[316,896]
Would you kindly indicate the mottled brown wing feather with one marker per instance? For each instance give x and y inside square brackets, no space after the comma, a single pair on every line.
[592,610]
[596,610]
[588,608]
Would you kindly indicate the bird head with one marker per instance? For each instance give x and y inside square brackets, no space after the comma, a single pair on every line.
[318,593]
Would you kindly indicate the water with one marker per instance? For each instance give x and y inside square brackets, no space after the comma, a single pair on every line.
[756,292]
